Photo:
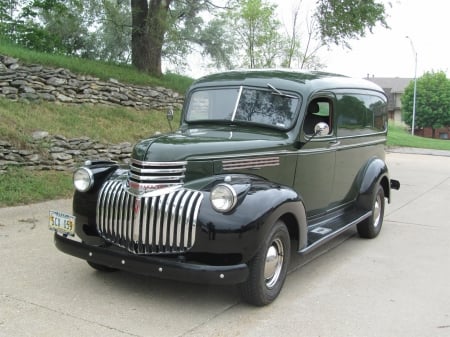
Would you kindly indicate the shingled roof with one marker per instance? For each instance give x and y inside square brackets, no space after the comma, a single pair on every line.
[395,84]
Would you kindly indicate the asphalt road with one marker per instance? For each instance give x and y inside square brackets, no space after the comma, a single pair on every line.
[395,285]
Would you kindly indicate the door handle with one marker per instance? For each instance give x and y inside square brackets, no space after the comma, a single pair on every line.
[335,143]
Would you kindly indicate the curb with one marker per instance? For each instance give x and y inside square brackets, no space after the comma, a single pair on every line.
[413,150]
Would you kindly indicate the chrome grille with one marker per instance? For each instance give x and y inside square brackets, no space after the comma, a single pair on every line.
[160,224]
[157,172]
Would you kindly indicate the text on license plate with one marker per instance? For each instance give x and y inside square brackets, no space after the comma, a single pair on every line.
[62,222]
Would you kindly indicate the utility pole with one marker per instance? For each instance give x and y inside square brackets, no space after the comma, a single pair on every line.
[415,86]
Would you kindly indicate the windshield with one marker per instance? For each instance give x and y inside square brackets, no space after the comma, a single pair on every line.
[259,106]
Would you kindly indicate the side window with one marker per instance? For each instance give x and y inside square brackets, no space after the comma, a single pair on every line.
[360,114]
[319,110]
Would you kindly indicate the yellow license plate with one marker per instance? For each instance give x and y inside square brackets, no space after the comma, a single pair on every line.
[62,223]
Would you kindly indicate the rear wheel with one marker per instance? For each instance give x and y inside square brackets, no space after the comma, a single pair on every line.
[268,268]
[371,227]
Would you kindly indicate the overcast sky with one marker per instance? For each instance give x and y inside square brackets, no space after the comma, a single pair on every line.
[387,52]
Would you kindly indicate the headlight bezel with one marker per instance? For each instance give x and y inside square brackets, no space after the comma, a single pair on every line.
[223,191]
[83,179]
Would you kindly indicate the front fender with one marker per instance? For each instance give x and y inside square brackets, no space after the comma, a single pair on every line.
[243,230]
[84,203]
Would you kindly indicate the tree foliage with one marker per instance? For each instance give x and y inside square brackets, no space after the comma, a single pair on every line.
[432,101]
[343,20]
[255,32]
[146,32]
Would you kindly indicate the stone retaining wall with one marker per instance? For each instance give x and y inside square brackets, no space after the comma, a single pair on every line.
[38,83]
[46,152]
[52,152]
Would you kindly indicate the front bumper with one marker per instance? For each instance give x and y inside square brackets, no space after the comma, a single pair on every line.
[159,267]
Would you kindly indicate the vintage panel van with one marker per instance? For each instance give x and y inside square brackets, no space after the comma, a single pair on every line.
[264,162]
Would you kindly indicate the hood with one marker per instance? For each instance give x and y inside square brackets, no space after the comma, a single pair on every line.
[207,142]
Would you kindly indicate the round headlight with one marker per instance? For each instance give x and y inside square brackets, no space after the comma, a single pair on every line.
[223,198]
[83,179]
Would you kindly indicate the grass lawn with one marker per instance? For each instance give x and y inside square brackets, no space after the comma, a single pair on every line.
[19,186]
[398,136]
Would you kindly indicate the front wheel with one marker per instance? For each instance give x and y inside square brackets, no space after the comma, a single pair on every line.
[371,227]
[268,268]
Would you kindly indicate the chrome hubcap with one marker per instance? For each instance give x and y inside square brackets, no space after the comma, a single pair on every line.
[274,263]
[377,212]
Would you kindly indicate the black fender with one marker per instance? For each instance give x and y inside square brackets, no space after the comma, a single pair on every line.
[242,230]
[374,173]
[84,203]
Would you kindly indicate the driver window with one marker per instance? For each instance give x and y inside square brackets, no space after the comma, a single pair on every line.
[319,110]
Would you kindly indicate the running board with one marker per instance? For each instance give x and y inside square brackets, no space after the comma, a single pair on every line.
[327,230]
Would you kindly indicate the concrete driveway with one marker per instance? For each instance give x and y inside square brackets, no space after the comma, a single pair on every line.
[395,285]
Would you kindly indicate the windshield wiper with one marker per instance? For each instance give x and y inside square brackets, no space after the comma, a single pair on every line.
[275,91]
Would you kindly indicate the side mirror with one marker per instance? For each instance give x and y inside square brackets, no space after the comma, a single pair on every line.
[321,129]
[170,114]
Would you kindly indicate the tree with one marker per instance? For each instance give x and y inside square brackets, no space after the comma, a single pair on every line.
[298,54]
[159,26]
[331,22]
[52,26]
[112,39]
[254,23]
[343,20]
[432,101]
[149,25]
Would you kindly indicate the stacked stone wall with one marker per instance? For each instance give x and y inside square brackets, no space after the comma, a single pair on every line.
[47,152]
[54,152]
[37,83]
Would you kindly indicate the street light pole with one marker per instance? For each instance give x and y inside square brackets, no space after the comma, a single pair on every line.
[415,86]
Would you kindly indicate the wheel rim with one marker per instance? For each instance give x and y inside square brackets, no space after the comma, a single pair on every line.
[377,212]
[274,263]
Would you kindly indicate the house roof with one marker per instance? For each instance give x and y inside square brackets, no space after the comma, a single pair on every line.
[391,84]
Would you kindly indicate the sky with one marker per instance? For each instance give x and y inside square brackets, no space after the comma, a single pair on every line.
[387,52]
[384,52]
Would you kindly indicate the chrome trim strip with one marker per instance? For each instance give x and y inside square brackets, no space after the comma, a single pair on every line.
[233,116]
[157,163]
[159,220]
[195,215]
[150,171]
[145,225]
[188,222]
[120,215]
[136,219]
[151,238]
[156,178]
[233,164]
[283,152]
[182,227]
[173,233]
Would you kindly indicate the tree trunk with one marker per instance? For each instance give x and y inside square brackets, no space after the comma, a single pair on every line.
[149,25]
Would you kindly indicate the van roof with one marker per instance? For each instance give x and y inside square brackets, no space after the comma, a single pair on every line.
[286,79]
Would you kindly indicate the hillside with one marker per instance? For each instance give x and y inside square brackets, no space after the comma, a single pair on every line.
[102,70]
[50,121]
